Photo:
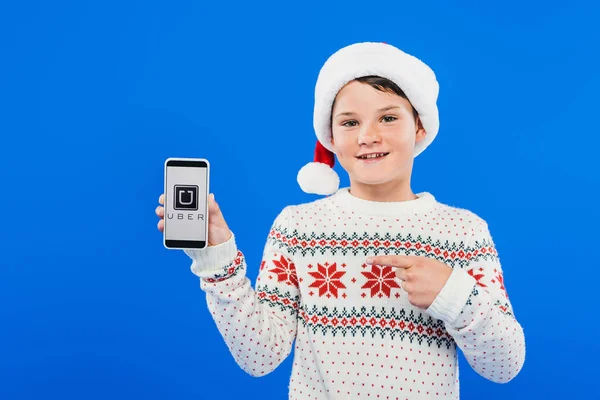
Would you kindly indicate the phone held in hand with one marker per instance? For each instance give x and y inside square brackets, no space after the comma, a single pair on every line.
[186,203]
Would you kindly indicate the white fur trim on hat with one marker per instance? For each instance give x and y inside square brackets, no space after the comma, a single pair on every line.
[414,77]
[318,178]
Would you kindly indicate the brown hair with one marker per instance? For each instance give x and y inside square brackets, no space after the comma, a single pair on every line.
[383,85]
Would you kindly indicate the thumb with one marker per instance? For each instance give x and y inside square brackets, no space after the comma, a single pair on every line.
[213,208]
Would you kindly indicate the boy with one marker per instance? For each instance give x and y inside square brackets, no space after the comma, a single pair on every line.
[377,285]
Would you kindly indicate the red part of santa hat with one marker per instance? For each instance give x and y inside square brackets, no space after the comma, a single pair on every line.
[323,155]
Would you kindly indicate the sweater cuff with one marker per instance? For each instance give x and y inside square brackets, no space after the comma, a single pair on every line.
[453,297]
[209,262]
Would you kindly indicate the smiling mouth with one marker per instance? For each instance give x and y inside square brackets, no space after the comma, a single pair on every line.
[372,156]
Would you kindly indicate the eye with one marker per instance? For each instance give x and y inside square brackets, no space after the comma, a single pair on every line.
[389,118]
[350,124]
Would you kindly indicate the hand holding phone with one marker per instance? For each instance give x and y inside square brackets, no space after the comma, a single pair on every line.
[186,227]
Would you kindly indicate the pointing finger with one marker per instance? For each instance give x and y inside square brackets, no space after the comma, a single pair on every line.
[392,261]
[401,274]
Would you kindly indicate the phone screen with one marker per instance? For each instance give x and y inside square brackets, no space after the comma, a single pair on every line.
[186,191]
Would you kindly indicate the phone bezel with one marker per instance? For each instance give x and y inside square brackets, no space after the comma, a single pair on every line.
[192,163]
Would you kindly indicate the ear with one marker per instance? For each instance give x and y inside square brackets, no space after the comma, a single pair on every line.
[421,133]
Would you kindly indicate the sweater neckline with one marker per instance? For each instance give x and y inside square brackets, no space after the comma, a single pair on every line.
[425,201]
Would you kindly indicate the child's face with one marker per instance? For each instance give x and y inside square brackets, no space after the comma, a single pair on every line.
[366,120]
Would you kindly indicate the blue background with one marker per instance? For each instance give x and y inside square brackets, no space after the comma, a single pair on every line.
[94,96]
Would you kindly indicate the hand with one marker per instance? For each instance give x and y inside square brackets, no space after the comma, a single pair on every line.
[218,231]
[422,278]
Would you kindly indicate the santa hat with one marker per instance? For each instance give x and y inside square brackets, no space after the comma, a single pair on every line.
[414,77]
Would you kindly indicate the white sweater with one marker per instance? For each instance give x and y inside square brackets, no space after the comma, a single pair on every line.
[356,335]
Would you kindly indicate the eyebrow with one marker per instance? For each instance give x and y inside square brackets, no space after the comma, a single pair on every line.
[350,113]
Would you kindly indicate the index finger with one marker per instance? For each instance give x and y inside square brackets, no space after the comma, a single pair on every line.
[161,199]
[392,261]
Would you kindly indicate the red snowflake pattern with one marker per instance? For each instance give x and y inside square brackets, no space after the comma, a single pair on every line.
[327,279]
[285,270]
[500,279]
[380,280]
[477,276]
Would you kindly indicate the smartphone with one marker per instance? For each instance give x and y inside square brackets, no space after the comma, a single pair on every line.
[186,203]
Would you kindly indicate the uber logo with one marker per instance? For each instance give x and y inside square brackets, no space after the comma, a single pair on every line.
[186,197]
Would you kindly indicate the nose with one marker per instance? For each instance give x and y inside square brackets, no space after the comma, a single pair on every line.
[368,135]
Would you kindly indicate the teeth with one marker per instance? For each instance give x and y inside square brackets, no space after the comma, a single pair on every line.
[373,155]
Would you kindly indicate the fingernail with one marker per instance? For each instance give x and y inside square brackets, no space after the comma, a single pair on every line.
[369,260]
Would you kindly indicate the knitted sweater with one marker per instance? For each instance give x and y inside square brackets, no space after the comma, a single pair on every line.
[356,334]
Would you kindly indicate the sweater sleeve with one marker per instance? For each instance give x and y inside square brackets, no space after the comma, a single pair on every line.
[258,325]
[477,312]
